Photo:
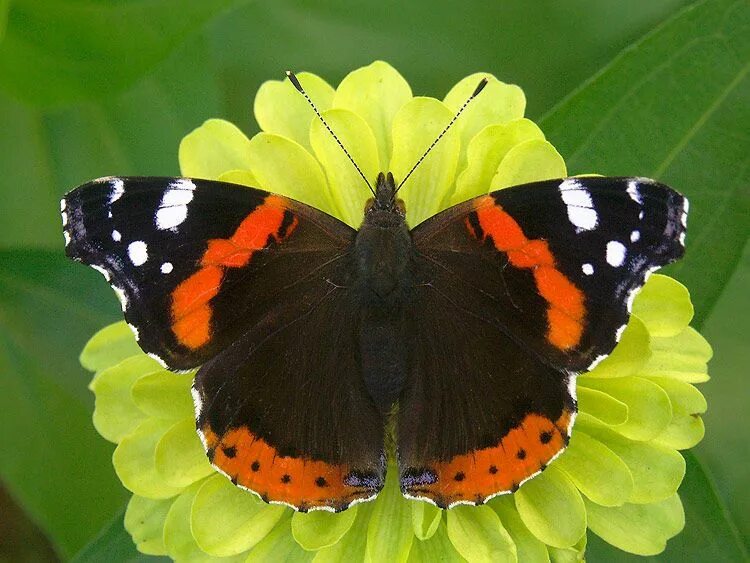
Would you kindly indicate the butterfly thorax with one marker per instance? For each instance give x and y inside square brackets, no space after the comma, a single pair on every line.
[384,258]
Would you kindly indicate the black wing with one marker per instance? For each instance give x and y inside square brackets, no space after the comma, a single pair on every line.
[521,290]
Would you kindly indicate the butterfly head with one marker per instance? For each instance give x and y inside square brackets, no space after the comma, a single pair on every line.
[385,200]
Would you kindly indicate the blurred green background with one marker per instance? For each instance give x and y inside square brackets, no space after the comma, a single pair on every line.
[89,88]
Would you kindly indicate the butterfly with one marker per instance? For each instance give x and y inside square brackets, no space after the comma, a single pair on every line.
[466,332]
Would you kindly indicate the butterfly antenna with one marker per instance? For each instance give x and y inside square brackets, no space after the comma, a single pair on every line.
[293,79]
[479,88]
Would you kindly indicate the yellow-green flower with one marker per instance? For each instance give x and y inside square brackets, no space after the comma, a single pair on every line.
[619,476]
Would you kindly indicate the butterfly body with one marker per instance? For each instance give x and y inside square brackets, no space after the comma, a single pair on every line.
[307,333]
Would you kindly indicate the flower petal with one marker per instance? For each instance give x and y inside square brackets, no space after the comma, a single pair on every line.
[642,529]
[376,93]
[164,394]
[596,470]
[242,177]
[226,520]
[551,508]
[284,167]
[664,306]
[108,347]
[528,547]
[497,103]
[144,521]
[348,189]
[316,530]
[213,148]
[649,409]
[602,406]
[279,545]
[352,546]
[530,161]
[630,354]
[134,460]
[390,533]
[437,548]
[425,519]
[115,413]
[657,471]
[178,538]
[684,357]
[279,108]
[478,534]
[179,455]
[484,154]
[415,127]
[686,428]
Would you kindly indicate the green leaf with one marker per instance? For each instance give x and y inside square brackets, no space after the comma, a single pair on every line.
[318,529]
[144,521]
[226,520]
[478,534]
[113,543]
[551,508]
[82,55]
[47,312]
[642,529]
[389,532]
[645,115]
[109,346]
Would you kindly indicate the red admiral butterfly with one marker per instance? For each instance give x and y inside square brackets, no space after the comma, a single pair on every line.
[474,323]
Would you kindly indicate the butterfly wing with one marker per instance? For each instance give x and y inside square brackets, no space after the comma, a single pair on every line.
[241,280]
[520,291]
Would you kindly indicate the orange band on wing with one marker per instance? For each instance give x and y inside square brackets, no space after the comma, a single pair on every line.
[191,308]
[305,484]
[477,475]
[566,310]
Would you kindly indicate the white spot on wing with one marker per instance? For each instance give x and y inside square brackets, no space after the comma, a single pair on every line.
[64,218]
[118,188]
[116,236]
[635,236]
[166,267]
[173,207]
[615,253]
[66,236]
[161,362]
[634,192]
[587,268]
[62,204]
[580,207]
[138,252]
[640,215]
[682,238]
[134,329]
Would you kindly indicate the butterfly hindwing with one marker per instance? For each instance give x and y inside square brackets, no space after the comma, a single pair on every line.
[540,279]
[246,283]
